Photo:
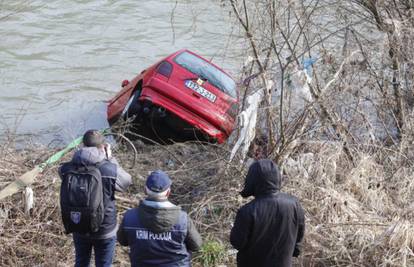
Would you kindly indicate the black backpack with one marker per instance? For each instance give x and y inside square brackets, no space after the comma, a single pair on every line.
[81,199]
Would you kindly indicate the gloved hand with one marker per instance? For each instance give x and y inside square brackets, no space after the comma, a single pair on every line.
[108,152]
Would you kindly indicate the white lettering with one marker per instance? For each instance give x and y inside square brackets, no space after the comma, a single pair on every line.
[142,234]
[148,235]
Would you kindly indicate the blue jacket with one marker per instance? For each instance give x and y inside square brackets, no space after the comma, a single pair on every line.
[158,234]
[114,178]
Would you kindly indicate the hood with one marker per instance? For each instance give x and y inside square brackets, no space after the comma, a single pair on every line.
[263,178]
[158,218]
[88,156]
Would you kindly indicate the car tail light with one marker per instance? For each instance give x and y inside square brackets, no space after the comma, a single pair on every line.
[165,69]
[233,110]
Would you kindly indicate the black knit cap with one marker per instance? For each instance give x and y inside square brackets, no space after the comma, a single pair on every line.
[93,138]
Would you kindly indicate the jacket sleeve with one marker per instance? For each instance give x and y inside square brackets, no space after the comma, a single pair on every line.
[123,179]
[301,229]
[121,236]
[193,239]
[240,232]
[60,172]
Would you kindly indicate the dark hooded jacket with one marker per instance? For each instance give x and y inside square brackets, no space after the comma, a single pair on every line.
[114,178]
[269,229]
[159,234]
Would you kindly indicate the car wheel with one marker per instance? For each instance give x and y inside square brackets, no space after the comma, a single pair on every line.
[130,108]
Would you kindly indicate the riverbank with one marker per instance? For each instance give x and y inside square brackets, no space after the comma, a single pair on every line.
[355,215]
[201,185]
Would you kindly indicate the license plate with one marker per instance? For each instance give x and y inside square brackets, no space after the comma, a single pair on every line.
[201,90]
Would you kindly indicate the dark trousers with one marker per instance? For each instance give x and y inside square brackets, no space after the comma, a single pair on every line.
[103,249]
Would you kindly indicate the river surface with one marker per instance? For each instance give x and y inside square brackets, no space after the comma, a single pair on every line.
[61,60]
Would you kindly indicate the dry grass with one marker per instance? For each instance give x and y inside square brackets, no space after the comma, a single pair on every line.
[201,185]
[356,216]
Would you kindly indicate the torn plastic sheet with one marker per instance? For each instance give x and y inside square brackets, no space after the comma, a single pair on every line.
[247,121]
[299,83]
[28,200]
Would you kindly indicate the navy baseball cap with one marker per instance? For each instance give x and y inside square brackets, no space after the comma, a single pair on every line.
[158,181]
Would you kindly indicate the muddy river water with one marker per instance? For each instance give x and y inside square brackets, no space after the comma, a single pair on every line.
[60,60]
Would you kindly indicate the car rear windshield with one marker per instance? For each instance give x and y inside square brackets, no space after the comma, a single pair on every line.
[206,71]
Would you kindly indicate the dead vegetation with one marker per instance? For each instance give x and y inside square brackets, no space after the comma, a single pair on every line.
[203,184]
[337,110]
[356,216]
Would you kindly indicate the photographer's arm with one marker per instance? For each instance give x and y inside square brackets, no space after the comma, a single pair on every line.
[123,179]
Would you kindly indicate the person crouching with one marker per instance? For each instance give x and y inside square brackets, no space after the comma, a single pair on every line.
[158,232]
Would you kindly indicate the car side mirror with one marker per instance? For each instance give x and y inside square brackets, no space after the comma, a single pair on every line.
[125,83]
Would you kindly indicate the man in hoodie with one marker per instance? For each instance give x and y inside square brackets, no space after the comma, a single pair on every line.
[158,232]
[269,229]
[98,153]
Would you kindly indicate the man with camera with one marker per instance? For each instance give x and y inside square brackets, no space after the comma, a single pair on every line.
[87,199]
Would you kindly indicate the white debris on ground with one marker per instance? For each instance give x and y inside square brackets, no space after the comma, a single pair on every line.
[247,121]
[28,200]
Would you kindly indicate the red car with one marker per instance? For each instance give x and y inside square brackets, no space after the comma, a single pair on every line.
[181,97]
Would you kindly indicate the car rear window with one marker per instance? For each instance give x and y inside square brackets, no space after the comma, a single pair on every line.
[205,70]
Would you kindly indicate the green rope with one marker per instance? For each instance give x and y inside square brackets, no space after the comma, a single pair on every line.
[29,177]
[58,155]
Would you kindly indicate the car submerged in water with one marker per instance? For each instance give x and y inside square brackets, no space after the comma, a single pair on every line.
[182,97]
